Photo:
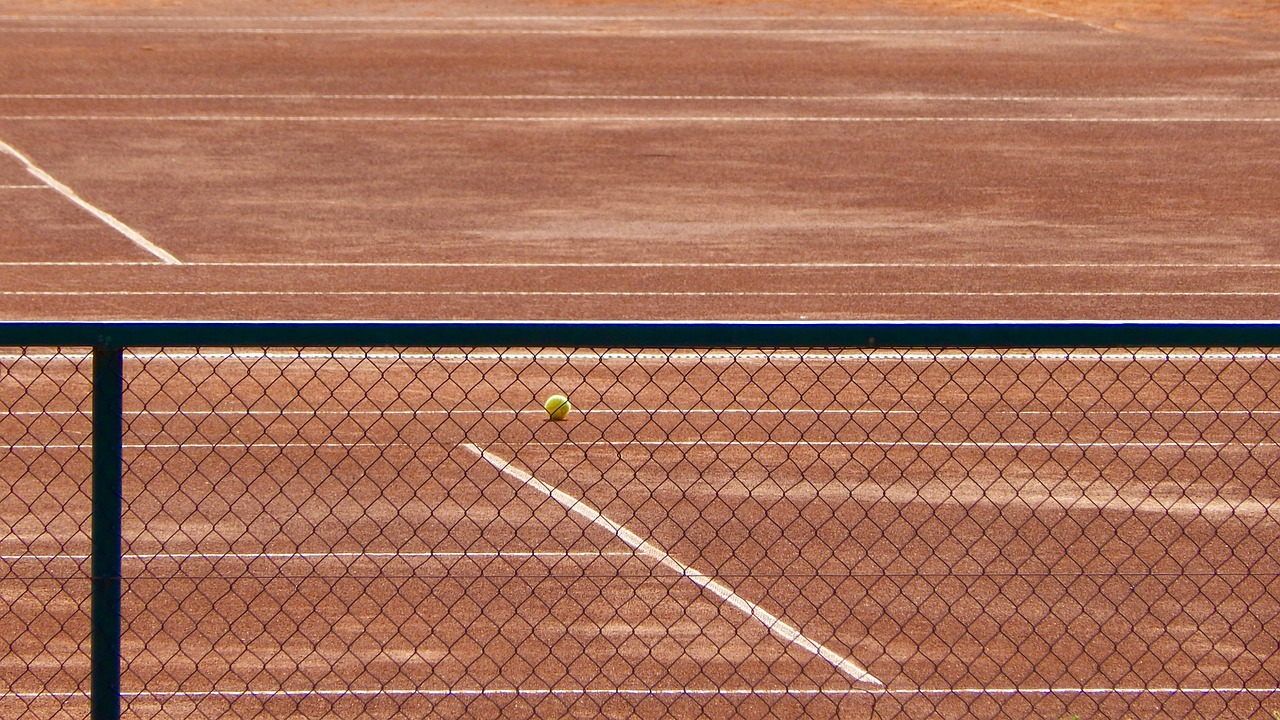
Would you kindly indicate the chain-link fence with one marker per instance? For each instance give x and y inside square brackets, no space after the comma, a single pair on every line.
[717,531]
[45,501]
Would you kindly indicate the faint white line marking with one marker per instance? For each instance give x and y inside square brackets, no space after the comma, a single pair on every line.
[778,627]
[623,293]
[608,31]
[651,692]
[500,554]
[101,215]
[1067,495]
[631,119]
[1161,690]
[431,20]
[1061,444]
[27,187]
[1045,444]
[875,412]
[1057,16]
[639,98]
[691,265]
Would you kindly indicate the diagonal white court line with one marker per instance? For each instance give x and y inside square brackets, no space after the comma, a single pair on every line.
[102,215]
[1057,16]
[784,631]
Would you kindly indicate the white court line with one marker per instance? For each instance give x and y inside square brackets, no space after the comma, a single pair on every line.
[648,692]
[1065,494]
[878,356]
[1062,444]
[101,215]
[849,445]
[610,31]
[631,293]
[651,97]
[501,554]
[1057,16]
[775,625]
[28,187]
[1161,690]
[183,412]
[402,20]
[1261,265]
[635,119]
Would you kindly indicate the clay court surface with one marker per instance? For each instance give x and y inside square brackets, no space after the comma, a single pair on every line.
[670,160]
[386,533]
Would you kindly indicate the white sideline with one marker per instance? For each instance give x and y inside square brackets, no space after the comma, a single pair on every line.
[102,215]
[781,629]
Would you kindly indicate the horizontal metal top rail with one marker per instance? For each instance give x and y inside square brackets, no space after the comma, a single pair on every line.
[1005,334]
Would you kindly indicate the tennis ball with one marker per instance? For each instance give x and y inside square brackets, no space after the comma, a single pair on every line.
[557,406]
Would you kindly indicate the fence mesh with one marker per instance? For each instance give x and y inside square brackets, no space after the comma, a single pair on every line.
[760,533]
[44,533]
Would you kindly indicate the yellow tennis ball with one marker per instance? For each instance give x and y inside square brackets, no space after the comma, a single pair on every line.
[557,406]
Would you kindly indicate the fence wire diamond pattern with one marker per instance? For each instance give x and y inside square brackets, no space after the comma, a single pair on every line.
[765,532]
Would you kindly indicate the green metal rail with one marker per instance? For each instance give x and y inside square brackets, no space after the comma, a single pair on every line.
[645,334]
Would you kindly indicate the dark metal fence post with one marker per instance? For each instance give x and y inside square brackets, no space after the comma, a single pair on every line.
[104,611]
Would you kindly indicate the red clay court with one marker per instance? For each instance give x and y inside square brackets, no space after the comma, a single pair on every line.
[765,532]
[671,160]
